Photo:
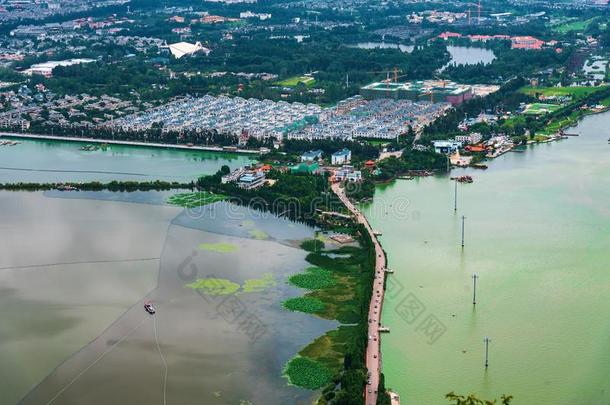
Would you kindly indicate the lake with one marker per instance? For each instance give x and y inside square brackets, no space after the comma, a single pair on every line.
[52,161]
[466,55]
[383,45]
[537,232]
[74,273]
[76,268]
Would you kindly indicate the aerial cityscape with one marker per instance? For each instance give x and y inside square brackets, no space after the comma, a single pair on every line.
[325,202]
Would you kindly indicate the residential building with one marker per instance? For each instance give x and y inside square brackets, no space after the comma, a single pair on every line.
[446,147]
[341,157]
[251,179]
[348,173]
[311,156]
[469,139]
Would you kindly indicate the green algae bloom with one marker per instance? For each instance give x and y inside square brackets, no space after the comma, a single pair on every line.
[219,247]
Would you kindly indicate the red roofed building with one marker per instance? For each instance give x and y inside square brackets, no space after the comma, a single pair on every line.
[526,43]
[447,35]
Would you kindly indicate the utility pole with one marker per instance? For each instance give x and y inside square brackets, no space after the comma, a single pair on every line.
[486,341]
[455,197]
[463,219]
[474,293]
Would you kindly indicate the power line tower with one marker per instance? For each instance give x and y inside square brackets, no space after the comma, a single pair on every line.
[486,341]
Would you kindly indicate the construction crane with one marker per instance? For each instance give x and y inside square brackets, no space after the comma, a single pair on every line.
[478,6]
[394,71]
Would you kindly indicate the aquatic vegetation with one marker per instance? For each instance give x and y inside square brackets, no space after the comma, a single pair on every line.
[258,234]
[214,286]
[304,304]
[330,348]
[259,284]
[221,286]
[219,247]
[196,199]
[312,245]
[306,373]
[314,278]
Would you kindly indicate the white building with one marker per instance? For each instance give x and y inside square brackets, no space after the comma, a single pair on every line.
[181,49]
[446,147]
[341,157]
[469,139]
[251,179]
[348,173]
[311,156]
[250,14]
[46,68]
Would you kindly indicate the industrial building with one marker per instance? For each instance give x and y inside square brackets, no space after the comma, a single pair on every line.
[436,91]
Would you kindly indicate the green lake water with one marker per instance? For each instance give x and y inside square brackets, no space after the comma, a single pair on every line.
[537,234]
[50,161]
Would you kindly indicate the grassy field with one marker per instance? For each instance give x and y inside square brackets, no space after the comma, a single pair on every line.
[580,25]
[577,92]
[540,108]
[293,81]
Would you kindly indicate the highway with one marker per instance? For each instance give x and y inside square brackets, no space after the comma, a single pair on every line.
[373,350]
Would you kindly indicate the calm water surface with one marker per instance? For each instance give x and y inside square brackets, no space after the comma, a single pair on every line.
[51,161]
[74,273]
[384,45]
[538,236]
[466,55]
[75,268]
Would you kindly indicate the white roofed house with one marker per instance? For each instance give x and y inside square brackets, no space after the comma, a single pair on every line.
[181,49]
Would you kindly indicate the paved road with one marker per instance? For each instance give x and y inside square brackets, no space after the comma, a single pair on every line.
[373,350]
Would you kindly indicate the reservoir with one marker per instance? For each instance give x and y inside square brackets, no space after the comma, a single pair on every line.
[537,232]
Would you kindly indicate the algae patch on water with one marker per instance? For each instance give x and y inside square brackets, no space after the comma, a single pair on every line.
[221,286]
[259,284]
[214,286]
[218,247]
[255,233]
[258,234]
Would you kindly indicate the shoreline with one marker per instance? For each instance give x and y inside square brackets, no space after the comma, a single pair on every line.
[126,143]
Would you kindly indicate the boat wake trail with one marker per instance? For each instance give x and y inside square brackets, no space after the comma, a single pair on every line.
[30,266]
[162,359]
[79,375]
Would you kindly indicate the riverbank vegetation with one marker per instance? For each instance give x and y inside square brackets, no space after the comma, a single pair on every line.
[340,279]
